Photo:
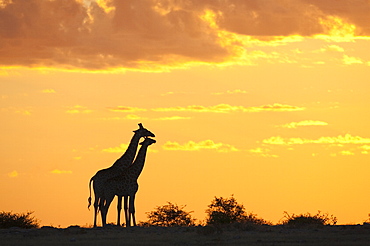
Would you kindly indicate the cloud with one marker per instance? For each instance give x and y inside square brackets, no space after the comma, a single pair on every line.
[304,123]
[78,109]
[134,117]
[349,60]
[346,152]
[262,152]
[275,107]
[48,91]
[220,108]
[226,108]
[125,109]
[57,171]
[365,147]
[171,93]
[346,139]
[23,112]
[237,91]
[122,148]
[193,146]
[13,174]
[155,35]
[173,118]
[333,48]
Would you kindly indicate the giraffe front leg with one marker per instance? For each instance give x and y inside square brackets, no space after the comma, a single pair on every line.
[119,208]
[127,215]
[132,209]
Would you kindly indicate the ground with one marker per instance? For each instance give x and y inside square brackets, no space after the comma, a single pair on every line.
[261,235]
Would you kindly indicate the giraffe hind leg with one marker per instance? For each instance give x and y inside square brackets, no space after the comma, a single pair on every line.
[105,206]
[96,210]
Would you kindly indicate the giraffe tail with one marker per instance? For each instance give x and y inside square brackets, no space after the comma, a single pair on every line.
[89,199]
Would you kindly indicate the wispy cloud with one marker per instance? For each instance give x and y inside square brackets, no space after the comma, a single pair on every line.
[226,108]
[57,171]
[347,152]
[230,92]
[350,60]
[125,109]
[48,91]
[13,174]
[173,118]
[277,107]
[202,145]
[172,93]
[122,148]
[346,139]
[23,111]
[78,109]
[262,152]
[220,108]
[304,123]
[332,48]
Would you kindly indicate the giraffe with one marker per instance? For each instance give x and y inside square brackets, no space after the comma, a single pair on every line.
[126,186]
[116,169]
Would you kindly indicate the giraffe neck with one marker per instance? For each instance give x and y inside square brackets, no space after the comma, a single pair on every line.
[127,158]
[138,165]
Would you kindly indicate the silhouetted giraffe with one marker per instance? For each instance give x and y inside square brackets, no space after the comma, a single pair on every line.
[116,169]
[126,186]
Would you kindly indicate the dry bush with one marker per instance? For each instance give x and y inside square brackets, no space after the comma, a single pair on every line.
[21,220]
[308,219]
[228,211]
[169,215]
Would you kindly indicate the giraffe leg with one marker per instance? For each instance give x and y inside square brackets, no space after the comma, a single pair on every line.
[96,209]
[119,208]
[127,215]
[103,214]
[106,201]
[132,209]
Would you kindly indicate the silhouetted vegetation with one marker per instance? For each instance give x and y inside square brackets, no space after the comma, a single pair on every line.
[169,215]
[227,211]
[21,220]
[308,219]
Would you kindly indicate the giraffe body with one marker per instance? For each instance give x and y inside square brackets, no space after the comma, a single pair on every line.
[117,169]
[126,186]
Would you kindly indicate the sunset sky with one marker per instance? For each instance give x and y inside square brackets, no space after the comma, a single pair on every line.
[267,100]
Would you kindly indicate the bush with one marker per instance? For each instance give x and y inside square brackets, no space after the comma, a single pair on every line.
[169,215]
[227,211]
[22,220]
[307,219]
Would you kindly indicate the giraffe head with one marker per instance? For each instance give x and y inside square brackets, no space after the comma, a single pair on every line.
[148,141]
[143,132]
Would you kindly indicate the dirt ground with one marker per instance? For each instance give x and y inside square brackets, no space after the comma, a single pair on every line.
[263,235]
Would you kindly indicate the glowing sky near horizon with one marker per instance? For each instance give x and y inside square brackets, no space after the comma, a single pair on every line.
[267,100]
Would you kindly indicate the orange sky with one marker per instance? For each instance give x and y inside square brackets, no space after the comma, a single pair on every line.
[266,100]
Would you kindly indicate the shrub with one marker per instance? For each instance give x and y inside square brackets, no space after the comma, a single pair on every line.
[227,211]
[308,219]
[21,220]
[169,215]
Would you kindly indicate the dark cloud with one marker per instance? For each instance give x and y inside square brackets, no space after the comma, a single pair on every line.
[147,33]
